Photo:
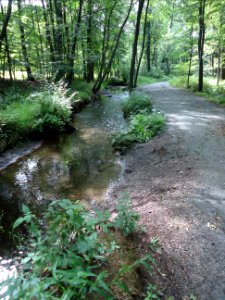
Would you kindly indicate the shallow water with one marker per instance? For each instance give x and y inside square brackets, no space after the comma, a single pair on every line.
[78,166]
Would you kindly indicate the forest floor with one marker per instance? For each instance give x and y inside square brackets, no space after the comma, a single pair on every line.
[177,184]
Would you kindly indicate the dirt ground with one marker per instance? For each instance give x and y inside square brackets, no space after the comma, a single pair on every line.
[177,184]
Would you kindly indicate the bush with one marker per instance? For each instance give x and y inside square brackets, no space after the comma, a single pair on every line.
[142,128]
[138,102]
[68,249]
[49,109]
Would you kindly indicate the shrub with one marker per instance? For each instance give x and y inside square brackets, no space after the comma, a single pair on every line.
[54,113]
[138,102]
[48,109]
[142,129]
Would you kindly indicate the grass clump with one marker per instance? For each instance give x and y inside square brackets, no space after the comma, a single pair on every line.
[142,128]
[69,253]
[138,102]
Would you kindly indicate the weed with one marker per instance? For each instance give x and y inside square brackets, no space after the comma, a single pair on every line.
[154,245]
[152,293]
[127,219]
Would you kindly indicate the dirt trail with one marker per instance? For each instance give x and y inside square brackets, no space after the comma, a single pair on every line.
[177,183]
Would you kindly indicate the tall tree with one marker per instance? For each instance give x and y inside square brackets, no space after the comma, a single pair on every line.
[71,56]
[135,44]
[26,62]
[143,45]
[102,76]
[5,23]
[201,43]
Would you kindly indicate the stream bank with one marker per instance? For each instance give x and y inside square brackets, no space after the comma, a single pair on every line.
[78,166]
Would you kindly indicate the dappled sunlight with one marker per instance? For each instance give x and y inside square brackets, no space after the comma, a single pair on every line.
[7,270]
[186,120]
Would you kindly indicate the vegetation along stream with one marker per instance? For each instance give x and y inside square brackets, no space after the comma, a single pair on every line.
[80,165]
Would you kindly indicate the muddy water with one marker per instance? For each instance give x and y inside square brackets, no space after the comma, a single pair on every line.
[80,165]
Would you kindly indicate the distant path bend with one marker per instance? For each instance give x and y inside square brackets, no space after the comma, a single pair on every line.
[177,182]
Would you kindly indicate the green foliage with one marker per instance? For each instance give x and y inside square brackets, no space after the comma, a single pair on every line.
[142,128]
[154,245]
[138,102]
[83,90]
[48,109]
[152,293]
[146,80]
[211,90]
[127,219]
[146,126]
[115,81]
[155,72]
[68,250]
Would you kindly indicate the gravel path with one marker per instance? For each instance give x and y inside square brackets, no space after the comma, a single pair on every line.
[177,183]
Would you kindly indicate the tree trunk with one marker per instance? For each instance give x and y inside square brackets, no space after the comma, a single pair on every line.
[143,45]
[8,57]
[5,23]
[48,34]
[223,68]
[105,46]
[148,46]
[201,41]
[59,41]
[71,57]
[190,57]
[98,83]
[135,44]
[90,64]
[219,66]
[30,76]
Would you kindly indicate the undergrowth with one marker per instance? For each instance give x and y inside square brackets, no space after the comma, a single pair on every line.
[22,114]
[83,90]
[212,91]
[69,251]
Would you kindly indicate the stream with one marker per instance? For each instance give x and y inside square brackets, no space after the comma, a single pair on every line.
[77,166]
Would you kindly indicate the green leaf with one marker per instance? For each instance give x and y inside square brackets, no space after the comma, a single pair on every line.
[18,222]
